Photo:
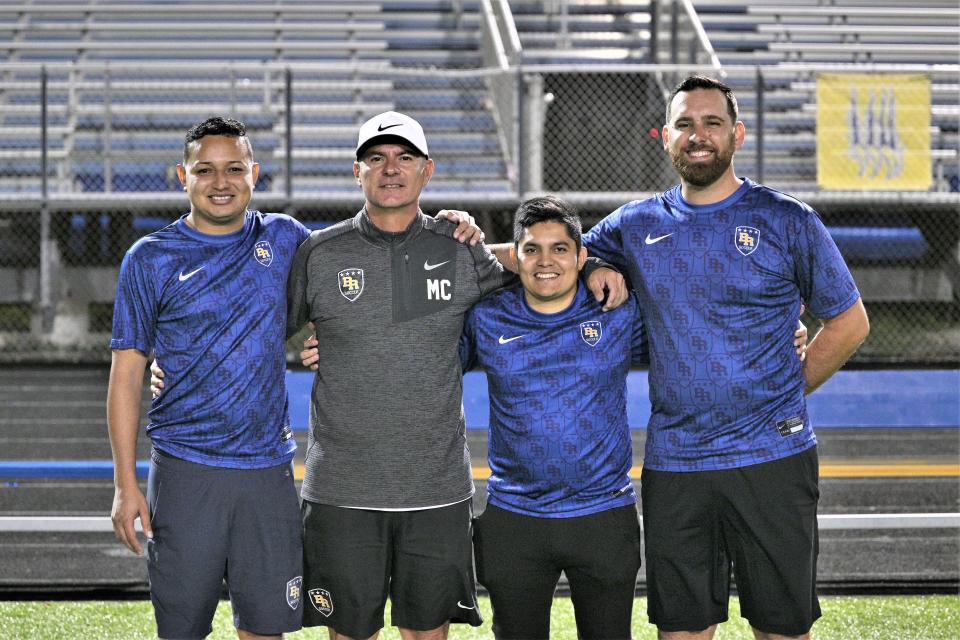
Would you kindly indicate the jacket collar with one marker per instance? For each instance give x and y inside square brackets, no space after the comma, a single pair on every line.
[381,238]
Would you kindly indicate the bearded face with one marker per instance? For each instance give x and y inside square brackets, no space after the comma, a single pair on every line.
[701,163]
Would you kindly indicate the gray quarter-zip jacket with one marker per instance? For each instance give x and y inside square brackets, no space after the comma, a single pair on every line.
[387,428]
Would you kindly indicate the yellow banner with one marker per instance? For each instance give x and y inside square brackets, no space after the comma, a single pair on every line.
[873,131]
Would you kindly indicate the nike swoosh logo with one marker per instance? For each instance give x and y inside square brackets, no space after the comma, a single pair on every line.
[463,606]
[430,267]
[649,240]
[389,126]
[503,340]
[186,276]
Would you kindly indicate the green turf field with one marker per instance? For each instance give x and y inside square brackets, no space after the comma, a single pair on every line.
[844,618]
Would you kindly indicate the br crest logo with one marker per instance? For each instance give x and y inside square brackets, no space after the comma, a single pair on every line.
[746,239]
[322,601]
[350,283]
[591,332]
[263,252]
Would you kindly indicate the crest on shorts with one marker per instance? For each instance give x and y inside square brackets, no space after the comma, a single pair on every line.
[294,591]
[263,253]
[746,239]
[350,282]
[322,601]
[591,332]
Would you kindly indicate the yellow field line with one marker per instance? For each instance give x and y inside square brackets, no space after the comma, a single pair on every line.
[827,470]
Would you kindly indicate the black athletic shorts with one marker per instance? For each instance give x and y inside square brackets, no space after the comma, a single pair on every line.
[212,523]
[761,520]
[519,560]
[355,558]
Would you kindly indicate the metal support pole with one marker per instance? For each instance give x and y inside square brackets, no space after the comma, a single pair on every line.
[654,30]
[288,138]
[520,155]
[46,242]
[674,33]
[107,131]
[534,113]
[759,133]
[233,92]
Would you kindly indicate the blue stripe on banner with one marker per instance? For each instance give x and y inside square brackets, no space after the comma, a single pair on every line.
[64,468]
[895,398]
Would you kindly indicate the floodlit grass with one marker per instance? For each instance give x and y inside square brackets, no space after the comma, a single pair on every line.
[864,618]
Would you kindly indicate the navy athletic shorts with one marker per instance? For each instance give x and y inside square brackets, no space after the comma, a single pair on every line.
[520,557]
[355,558]
[759,520]
[212,524]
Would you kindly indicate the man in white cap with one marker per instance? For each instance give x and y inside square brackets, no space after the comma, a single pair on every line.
[387,491]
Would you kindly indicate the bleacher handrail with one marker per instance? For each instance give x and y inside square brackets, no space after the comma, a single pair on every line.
[492,31]
[833,11]
[701,35]
[198,8]
[512,43]
[328,26]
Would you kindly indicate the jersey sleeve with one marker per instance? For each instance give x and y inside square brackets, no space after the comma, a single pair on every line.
[301,231]
[468,341]
[135,307]
[491,275]
[825,282]
[605,241]
[298,310]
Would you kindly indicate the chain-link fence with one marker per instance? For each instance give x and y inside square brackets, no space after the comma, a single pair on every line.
[89,151]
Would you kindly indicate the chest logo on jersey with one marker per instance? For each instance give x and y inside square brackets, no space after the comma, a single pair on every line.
[263,252]
[591,332]
[350,282]
[746,240]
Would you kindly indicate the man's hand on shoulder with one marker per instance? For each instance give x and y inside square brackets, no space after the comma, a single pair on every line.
[607,282]
[467,230]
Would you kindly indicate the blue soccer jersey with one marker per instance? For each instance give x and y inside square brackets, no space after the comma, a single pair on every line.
[213,309]
[559,443]
[720,287]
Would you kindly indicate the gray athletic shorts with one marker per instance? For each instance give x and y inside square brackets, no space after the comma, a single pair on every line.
[212,524]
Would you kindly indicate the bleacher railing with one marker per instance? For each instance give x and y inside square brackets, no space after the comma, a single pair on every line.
[88,150]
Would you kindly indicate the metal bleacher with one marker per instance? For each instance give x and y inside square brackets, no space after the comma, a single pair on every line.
[118,130]
[127,77]
[583,32]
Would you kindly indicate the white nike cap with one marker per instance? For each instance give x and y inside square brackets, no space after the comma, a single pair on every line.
[391,124]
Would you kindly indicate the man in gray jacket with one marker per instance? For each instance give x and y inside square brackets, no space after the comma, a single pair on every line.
[387,489]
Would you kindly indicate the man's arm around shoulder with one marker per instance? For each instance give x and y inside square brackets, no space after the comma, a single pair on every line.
[834,344]
[123,422]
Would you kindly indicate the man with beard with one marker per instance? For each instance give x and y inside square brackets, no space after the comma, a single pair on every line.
[721,266]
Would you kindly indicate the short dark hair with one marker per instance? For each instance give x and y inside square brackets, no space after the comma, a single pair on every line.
[216,126]
[546,209]
[693,83]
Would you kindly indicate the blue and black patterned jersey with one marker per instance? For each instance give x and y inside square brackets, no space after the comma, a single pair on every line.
[559,443]
[213,309]
[720,287]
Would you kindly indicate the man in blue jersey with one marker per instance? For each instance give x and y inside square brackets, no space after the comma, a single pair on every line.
[721,266]
[559,497]
[206,296]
